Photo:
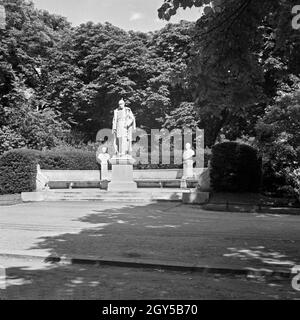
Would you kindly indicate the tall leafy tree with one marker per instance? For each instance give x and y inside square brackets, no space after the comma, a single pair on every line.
[26,46]
[278,138]
[25,125]
[243,53]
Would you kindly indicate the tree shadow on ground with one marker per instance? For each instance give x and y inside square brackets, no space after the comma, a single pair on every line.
[61,282]
[128,231]
[133,231]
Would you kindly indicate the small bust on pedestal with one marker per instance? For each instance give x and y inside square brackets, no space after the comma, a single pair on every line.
[188,161]
[188,170]
[103,159]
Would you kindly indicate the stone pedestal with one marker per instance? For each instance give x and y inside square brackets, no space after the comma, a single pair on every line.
[104,171]
[188,170]
[122,174]
[183,184]
[195,197]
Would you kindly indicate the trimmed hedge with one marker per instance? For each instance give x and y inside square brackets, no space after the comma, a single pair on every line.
[68,160]
[18,170]
[235,167]
[86,160]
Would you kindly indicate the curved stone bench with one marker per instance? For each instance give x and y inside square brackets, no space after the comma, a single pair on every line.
[159,178]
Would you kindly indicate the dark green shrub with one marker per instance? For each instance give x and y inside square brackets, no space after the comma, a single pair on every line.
[235,167]
[278,140]
[18,170]
[68,160]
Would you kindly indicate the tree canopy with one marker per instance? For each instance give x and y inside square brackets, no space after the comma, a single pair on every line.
[243,54]
[220,73]
[80,73]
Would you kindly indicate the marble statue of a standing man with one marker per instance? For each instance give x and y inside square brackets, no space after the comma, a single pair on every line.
[123,126]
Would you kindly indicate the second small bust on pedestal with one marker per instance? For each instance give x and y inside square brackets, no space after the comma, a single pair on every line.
[188,162]
[103,159]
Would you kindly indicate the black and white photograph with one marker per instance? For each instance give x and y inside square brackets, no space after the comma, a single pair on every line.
[149,152]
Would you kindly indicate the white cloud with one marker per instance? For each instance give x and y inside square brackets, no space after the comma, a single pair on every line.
[136,16]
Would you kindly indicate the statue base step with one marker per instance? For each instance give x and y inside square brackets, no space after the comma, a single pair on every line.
[122,174]
[122,160]
[120,186]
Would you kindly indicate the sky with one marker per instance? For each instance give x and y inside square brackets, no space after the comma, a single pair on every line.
[138,15]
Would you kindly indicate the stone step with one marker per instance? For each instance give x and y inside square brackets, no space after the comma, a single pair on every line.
[129,196]
[100,195]
[141,183]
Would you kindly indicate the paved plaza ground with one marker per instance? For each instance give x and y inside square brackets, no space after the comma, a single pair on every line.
[41,281]
[167,232]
